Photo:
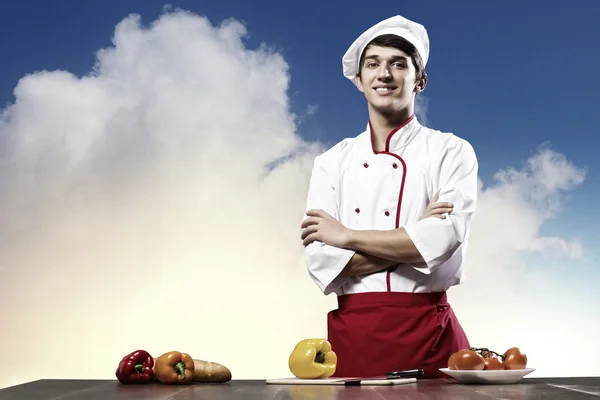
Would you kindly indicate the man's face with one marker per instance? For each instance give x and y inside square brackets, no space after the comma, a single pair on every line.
[387,80]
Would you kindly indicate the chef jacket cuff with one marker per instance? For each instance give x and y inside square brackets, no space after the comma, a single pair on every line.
[435,239]
[325,263]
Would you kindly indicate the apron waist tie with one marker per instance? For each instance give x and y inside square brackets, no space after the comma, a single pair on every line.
[392,298]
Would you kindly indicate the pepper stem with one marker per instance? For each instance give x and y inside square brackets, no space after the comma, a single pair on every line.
[139,368]
[179,367]
[320,358]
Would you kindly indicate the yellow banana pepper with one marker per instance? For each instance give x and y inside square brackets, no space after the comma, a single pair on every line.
[312,359]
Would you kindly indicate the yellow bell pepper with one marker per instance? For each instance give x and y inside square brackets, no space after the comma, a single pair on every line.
[312,359]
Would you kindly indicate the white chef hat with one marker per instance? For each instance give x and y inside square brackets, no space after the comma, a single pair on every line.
[412,31]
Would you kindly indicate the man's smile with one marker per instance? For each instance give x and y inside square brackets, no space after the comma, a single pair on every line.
[385,90]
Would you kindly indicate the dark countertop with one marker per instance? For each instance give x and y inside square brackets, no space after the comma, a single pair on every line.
[528,388]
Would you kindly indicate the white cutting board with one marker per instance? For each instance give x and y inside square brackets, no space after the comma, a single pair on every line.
[339,381]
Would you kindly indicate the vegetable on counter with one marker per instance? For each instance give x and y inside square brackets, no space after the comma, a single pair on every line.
[174,367]
[514,358]
[136,367]
[485,359]
[466,359]
[312,359]
[207,371]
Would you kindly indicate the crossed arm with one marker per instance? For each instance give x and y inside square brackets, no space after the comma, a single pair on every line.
[334,251]
[364,264]
[375,250]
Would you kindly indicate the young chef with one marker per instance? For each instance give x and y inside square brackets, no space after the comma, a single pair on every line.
[388,216]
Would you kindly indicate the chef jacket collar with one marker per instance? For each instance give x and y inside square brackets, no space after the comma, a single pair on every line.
[399,137]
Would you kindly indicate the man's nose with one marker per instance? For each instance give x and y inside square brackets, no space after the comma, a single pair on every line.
[384,72]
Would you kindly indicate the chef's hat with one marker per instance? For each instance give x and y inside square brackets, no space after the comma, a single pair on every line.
[413,32]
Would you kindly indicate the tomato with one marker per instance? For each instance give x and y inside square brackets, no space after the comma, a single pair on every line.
[451,361]
[466,359]
[493,363]
[514,358]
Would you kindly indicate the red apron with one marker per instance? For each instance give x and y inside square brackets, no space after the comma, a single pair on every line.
[379,332]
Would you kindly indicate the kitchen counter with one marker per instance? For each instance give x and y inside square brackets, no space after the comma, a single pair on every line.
[528,388]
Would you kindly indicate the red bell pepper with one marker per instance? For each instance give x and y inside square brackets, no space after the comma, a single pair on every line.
[136,367]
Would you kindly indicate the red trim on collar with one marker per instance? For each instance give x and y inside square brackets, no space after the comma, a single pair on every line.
[390,135]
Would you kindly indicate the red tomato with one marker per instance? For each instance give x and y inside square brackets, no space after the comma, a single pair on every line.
[514,358]
[466,359]
[451,362]
[493,363]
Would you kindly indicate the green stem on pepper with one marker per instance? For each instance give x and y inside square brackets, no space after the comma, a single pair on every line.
[320,358]
[179,367]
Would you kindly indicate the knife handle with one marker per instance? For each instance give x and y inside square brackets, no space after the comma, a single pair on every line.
[405,374]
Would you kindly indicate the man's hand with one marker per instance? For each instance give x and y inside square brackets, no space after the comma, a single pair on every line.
[437,210]
[324,228]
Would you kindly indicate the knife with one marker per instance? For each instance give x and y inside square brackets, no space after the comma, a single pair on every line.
[413,373]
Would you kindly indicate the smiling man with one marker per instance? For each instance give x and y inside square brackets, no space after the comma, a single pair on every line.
[388,216]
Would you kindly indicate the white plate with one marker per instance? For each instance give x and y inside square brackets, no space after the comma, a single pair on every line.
[507,376]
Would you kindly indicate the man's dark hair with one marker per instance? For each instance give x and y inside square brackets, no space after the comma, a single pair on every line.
[401,44]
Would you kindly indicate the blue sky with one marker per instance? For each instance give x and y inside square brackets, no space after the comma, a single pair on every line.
[506,76]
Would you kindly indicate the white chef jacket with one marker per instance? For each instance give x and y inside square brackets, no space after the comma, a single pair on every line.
[391,189]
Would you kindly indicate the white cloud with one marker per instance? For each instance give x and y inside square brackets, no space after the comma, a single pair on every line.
[511,212]
[543,181]
[140,207]
[152,204]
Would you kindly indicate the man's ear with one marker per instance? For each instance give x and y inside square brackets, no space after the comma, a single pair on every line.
[358,82]
[420,86]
